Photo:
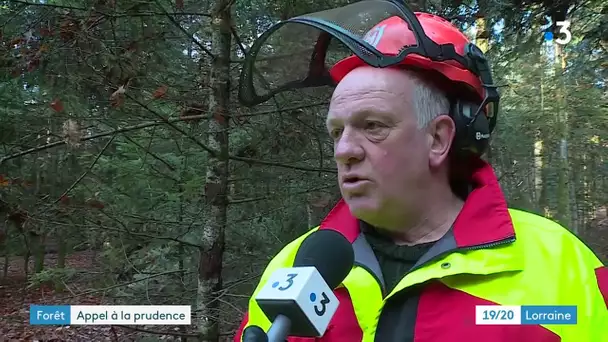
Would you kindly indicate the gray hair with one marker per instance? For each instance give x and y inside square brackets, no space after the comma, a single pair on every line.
[428,100]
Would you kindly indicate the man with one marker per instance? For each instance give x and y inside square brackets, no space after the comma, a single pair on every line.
[428,222]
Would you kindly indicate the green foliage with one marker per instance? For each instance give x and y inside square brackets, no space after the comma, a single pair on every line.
[94,150]
[54,276]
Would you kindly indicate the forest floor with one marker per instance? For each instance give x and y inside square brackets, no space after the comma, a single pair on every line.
[15,301]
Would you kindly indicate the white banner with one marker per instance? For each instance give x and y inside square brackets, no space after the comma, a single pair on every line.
[130,314]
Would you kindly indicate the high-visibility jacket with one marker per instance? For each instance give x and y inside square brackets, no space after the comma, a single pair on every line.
[491,256]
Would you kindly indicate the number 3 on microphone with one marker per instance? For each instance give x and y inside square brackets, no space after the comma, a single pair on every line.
[321,307]
[289,282]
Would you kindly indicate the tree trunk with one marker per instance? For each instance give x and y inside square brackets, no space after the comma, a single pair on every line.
[584,213]
[540,153]
[216,180]
[26,259]
[62,248]
[61,233]
[539,150]
[4,241]
[63,230]
[6,261]
[537,172]
[38,242]
[548,181]
[564,209]
[34,233]
[183,286]
[579,161]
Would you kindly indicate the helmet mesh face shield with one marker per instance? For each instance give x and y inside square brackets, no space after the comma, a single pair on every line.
[318,49]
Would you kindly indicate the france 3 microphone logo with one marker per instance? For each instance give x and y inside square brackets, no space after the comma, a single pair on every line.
[320,308]
[299,292]
[564,35]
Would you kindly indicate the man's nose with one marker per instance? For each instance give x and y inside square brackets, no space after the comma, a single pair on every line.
[348,149]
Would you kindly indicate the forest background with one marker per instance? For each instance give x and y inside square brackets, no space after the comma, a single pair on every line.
[130,174]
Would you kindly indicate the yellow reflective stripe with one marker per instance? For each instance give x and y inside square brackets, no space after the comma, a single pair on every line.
[366,296]
[284,258]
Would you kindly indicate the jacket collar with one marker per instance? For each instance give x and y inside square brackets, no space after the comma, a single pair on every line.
[484,218]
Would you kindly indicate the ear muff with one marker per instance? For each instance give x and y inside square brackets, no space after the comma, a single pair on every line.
[472,133]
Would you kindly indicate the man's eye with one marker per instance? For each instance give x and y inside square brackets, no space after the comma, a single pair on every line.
[373,125]
[335,133]
[376,130]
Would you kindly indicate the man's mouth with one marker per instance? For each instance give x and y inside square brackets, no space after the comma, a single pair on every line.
[352,179]
[353,182]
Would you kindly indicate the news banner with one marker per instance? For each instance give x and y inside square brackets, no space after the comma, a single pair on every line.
[525,314]
[110,314]
[180,314]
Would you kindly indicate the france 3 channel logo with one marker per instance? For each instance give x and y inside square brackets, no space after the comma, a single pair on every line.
[564,35]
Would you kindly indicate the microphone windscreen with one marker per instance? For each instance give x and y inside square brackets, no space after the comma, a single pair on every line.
[253,333]
[329,252]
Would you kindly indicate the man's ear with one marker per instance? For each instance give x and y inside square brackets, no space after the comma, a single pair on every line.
[441,134]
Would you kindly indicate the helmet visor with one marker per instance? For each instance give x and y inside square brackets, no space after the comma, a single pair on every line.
[300,52]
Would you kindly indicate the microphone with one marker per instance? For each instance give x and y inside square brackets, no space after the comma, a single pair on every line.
[253,333]
[300,300]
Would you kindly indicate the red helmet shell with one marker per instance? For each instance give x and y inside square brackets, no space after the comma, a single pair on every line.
[392,34]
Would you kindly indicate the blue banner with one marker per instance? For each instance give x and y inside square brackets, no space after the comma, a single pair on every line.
[50,314]
[548,314]
[110,314]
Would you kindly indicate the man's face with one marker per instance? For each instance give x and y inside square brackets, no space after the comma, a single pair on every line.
[381,155]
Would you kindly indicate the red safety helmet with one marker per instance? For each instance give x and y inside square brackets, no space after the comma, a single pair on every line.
[381,34]
[392,34]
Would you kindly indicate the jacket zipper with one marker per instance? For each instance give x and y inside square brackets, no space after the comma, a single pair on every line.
[488,245]
[470,248]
